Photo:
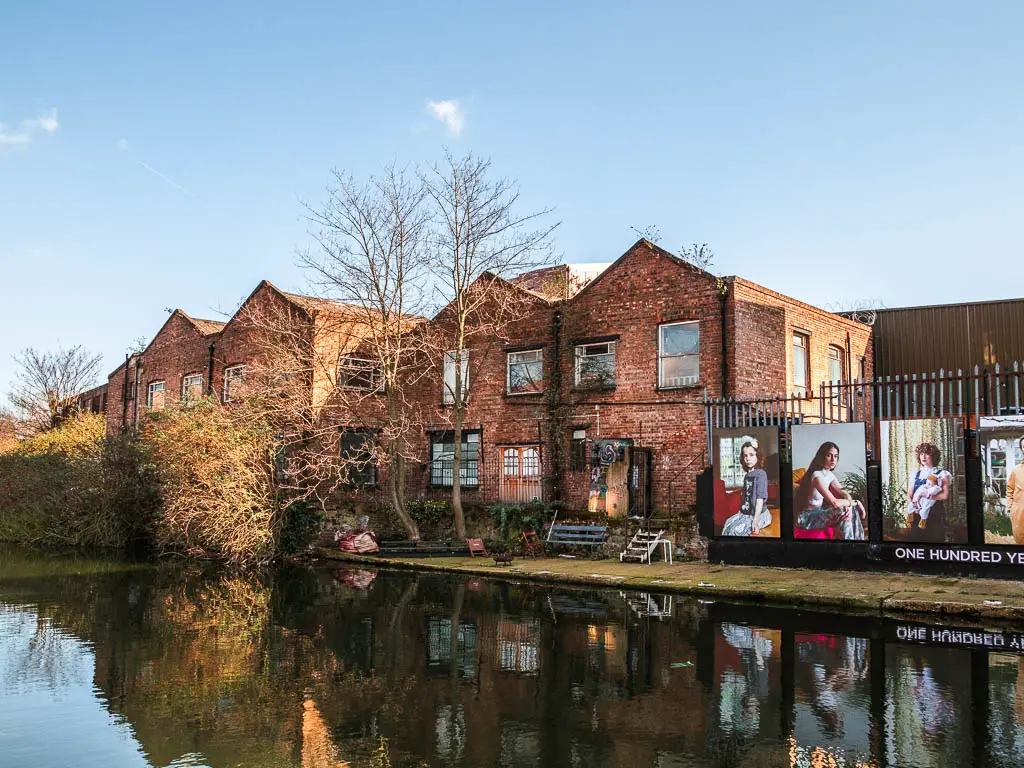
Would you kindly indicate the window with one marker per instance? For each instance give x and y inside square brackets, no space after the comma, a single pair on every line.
[678,354]
[192,387]
[442,459]
[233,377]
[449,376]
[801,364]
[155,395]
[595,365]
[525,372]
[355,373]
[835,365]
[358,464]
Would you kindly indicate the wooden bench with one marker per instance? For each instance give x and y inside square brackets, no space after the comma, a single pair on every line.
[577,535]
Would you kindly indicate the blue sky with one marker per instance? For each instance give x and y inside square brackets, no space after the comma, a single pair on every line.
[155,155]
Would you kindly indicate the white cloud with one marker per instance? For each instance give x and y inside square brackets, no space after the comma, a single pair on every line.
[122,145]
[449,113]
[27,130]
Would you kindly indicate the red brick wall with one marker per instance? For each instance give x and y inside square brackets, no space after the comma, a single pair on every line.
[177,350]
[643,289]
[762,355]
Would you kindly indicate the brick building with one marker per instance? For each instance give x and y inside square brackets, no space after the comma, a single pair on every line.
[595,398]
[599,400]
[193,358]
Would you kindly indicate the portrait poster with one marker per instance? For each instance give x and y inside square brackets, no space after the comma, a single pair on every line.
[923,487]
[830,487]
[746,467]
[1001,445]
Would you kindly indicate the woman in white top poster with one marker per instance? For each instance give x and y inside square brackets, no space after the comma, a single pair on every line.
[821,501]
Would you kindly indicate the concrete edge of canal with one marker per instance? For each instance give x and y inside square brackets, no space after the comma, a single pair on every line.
[848,591]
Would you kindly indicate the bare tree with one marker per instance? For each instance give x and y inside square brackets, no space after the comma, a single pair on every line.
[477,241]
[370,260]
[46,385]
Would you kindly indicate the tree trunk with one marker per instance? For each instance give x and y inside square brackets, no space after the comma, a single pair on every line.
[396,492]
[396,476]
[460,408]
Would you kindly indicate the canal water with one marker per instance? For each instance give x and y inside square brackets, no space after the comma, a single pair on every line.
[109,664]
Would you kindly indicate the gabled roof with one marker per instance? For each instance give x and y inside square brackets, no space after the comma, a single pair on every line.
[559,282]
[205,327]
[643,242]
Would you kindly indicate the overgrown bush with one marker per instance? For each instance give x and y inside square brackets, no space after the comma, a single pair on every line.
[301,526]
[216,484]
[511,520]
[71,486]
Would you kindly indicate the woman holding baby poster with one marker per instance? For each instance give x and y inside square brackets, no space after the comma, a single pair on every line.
[927,491]
[922,480]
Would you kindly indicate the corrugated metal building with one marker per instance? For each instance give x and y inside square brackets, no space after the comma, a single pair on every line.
[947,336]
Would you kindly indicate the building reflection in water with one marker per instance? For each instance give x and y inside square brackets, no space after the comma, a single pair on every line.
[317,669]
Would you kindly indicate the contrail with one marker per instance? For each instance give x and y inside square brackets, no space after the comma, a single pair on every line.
[169,180]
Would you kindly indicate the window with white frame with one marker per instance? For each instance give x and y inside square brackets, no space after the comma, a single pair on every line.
[357,373]
[234,376]
[595,364]
[192,387]
[442,459]
[836,369]
[678,354]
[449,376]
[801,364]
[155,395]
[525,373]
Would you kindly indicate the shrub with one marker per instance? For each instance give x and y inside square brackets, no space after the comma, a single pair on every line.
[71,486]
[301,526]
[216,484]
[511,520]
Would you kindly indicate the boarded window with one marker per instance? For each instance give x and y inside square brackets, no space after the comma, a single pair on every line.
[449,376]
[234,377]
[192,387]
[155,395]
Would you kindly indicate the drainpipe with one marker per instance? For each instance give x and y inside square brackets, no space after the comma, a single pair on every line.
[554,408]
[209,373]
[135,401]
[124,395]
[724,296]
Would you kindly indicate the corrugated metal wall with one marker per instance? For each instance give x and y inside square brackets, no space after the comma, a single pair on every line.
[925,339]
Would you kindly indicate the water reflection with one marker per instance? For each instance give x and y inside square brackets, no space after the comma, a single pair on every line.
[366,668]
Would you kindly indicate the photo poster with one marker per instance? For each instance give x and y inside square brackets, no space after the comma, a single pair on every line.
[830,485]
[746,466]
[1001,445]
[923,486]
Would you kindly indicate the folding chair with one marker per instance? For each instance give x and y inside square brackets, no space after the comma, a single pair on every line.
[532,544]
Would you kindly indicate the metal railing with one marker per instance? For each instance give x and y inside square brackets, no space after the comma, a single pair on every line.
[940,394]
